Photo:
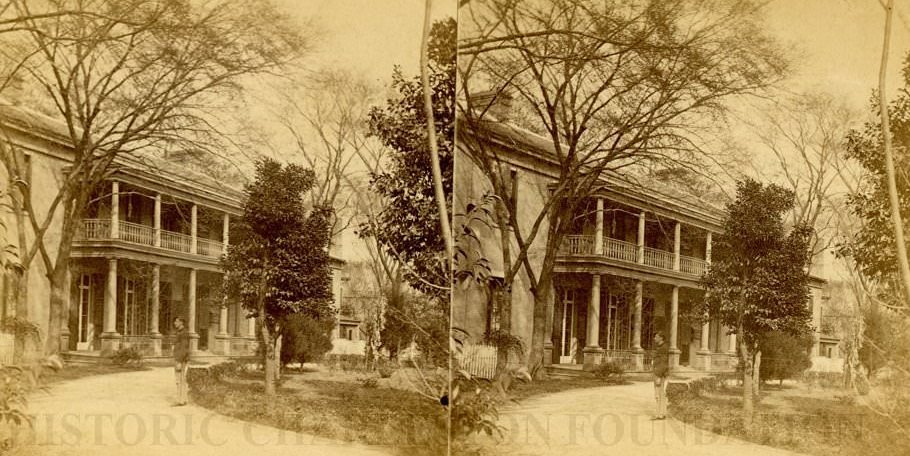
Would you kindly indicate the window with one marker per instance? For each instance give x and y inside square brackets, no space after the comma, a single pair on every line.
[495,301]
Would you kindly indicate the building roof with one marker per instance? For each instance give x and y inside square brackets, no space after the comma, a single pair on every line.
[647,189]
[55,131]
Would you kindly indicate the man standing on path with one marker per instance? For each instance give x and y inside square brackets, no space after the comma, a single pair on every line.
[661,370]
[181,359]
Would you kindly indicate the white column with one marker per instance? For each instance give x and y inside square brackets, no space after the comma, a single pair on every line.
[191,303]
[193,221]
[225,225]
[115,210]
[705,337]
[708,248]
[732,347]
[599,229]
[156,295]
[110,298]
[223,321]
[641,237]
[251,327]
[674,317]
[594,313]
[677,228]
[158,220]
[636,321]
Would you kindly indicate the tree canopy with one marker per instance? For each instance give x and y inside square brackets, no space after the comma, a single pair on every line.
[873,247]
[758,280]
[408,225]
[278,263]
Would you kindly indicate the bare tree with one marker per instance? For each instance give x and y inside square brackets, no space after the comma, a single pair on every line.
[806,134]
[610,87]
[325,114]
[134,78]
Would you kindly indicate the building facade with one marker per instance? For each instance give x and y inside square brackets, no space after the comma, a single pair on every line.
[631,265]
[146,252]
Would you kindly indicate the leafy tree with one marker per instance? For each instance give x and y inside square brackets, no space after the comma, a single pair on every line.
[758,281]
[886,339]
[408,225]
[411,317]
[873,247]
[784,356]
[305,339]
[278,262]
[127,78]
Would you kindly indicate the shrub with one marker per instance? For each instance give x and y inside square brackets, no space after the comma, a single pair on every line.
[16,383]
[305,339]
[351,362]
[368,382]
[127,356]
[784,356]
[609,371]
[384,368]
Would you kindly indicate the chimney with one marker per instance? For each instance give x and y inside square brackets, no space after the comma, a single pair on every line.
[492,105]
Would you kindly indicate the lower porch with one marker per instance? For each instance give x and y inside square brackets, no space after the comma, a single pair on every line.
[120,302]
[600,317]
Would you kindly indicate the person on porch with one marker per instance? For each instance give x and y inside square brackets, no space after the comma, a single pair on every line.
[661,370]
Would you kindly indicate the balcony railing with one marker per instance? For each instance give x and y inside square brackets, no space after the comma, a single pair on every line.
[627,252]
[134,233]
[620,250]
[95,229]
[692,266]
[579,245]
[177,242]
[658,258]
[209,247]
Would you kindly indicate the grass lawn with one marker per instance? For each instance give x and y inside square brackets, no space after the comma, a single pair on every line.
[334,405]
[821,422]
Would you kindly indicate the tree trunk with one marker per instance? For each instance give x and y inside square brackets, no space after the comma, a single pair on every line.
[59,290]
[747,382]
[893,197]
[543,301]
[278,357]
[756,374]
[268,354]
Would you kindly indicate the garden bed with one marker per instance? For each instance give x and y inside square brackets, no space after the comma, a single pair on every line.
[340,408]
[814,421]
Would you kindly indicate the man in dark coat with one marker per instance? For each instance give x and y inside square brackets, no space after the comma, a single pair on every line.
[181,358]
[661,370]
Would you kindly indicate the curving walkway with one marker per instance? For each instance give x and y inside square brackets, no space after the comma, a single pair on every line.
[132,413]
[613,420]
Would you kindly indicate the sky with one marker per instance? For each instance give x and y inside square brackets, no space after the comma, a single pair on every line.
[368,36]
[837,42]
[840,43]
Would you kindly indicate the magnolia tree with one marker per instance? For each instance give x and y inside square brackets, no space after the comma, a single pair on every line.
[758,281]
[278,263]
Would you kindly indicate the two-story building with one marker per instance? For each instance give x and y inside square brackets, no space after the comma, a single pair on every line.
[147,251]
[630,266]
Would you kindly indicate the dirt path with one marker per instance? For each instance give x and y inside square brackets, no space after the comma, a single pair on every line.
[614,420]
[133,414]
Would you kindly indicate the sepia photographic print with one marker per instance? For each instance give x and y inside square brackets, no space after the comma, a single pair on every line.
[455,227]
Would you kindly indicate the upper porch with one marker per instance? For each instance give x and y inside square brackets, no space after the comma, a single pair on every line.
[635,240]
[147,222]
